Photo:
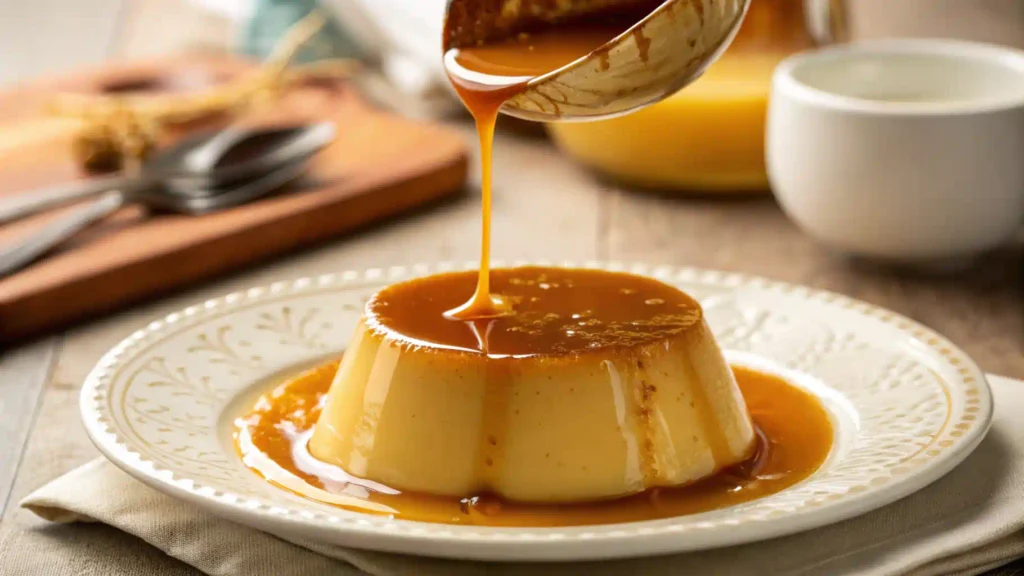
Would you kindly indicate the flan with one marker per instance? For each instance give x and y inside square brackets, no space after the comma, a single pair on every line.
[595,385]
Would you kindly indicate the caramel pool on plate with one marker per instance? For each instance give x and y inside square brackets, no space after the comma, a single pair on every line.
[594,386]
[795,438]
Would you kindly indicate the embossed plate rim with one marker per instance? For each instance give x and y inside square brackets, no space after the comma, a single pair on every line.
[305,521]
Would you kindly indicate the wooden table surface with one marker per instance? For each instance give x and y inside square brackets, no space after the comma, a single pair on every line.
[545,207]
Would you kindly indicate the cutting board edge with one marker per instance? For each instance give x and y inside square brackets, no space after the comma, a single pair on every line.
[431,187]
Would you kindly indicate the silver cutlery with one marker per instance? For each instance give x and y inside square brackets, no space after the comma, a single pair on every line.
[194,166]
[200,201]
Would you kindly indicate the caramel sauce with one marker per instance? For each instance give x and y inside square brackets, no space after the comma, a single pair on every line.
[514,313]
[794,438]
[488,74]
[529,55]
[550,311]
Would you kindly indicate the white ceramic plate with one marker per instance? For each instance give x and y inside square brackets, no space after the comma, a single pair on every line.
[907,406]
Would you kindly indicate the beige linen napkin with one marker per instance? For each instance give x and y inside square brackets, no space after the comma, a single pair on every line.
[970,521]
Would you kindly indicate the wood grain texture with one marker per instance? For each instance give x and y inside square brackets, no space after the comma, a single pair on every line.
[379,165]
[38,38]
[22,374]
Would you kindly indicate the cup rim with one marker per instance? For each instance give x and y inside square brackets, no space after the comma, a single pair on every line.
[784,79]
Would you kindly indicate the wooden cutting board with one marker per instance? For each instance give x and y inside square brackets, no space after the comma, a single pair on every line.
[379,165]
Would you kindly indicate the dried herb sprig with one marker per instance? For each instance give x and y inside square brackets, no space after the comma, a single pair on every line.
[120,130]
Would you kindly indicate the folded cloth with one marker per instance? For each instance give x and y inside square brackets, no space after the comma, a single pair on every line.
[970,521]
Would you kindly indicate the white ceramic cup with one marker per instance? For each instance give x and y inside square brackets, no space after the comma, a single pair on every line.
[904,150]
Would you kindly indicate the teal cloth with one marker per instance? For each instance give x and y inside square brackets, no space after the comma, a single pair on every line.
[272,18]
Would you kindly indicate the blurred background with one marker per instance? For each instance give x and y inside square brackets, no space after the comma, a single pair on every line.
[683,182]
[94,91]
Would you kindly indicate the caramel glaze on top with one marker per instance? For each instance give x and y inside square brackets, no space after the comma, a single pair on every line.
[552,311]
[794,438]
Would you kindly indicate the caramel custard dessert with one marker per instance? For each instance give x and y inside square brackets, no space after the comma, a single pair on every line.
[597,398]
[595,385]
[533,396]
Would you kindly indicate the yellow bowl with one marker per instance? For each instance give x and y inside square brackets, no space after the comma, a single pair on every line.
[707,138]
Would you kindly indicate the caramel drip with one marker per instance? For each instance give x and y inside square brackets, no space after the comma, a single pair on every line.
[483,102]
[494,411]
[486,76]
[643,44]
[636,465]
[645,404]
[717,442]
[494,425]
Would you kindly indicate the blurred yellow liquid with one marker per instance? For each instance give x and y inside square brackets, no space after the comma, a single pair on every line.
[708,137]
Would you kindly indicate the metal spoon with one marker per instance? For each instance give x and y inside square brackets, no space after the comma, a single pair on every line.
[15,257]
[193,166]
[656,57]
